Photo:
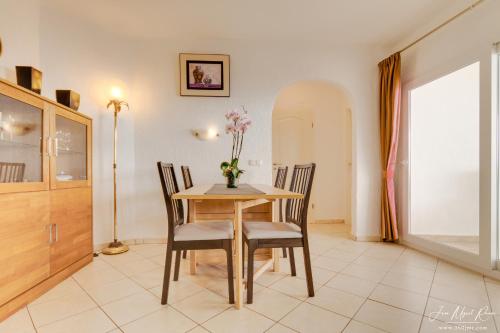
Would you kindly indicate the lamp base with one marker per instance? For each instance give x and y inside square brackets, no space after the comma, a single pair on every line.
[115,247]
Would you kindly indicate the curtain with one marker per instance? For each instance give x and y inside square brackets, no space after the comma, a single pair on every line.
[390,104]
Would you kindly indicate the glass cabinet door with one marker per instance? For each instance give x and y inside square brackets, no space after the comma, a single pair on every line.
[22,145]
[71,137]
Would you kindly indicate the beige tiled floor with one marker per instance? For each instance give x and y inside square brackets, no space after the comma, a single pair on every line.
[360,288]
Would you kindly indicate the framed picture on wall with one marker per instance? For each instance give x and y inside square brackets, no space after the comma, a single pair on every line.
[204,74]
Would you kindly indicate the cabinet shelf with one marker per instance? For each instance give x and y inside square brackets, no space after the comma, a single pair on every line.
[70,152]
[15,144]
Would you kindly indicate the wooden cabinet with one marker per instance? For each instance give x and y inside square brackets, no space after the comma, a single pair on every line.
[45,194]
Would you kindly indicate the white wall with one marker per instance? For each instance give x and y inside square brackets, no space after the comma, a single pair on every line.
[464,41]
[19,31]
[76,54]
[327,105]
[84,58]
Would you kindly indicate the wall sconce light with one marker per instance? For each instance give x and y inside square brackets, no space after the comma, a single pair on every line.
[210,133]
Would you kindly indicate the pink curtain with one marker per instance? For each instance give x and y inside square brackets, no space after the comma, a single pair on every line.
[390,105]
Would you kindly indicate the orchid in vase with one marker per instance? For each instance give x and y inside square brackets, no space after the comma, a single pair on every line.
[238,123]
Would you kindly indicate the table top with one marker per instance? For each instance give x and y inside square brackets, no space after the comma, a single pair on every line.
[269,192]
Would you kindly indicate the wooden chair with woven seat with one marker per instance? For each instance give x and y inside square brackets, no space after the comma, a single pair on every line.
[292,233]
[188,183]
[191,236]
[280,182]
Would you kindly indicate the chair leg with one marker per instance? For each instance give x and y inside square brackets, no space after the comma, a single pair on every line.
[284,252]
[166,276]
[230,282]
[184,254]
[292,261]
[251,249]
[307,264]
[177,265]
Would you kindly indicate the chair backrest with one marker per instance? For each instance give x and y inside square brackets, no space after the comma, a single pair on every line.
[175,210]
[186,175]
[302,180]
[11,172]
[280,180]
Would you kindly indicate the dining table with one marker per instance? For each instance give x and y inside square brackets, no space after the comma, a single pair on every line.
[247,202]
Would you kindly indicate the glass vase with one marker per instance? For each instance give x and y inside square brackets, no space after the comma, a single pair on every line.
[232,182]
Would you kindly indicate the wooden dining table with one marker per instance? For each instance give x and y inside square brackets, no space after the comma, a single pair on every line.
[251,202]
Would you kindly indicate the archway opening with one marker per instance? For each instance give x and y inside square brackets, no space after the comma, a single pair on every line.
[312,122]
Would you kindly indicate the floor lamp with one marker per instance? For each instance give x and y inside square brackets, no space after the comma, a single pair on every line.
[115,247]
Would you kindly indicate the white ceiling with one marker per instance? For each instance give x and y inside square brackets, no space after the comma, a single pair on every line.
[382,22]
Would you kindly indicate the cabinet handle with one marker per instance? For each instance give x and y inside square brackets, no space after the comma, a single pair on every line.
[50,233]
[49,146]
[57,232]
[56,147]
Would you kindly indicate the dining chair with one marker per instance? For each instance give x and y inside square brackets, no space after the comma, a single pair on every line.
[292,233]
[280,182]
[191,236]
[188,183]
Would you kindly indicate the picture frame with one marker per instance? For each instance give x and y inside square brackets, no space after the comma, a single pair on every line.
[205,75]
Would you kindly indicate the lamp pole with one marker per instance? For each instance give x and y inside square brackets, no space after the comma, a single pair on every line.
[116,247]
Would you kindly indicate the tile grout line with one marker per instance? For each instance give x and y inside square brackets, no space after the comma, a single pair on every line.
[98,306]
[352,318]
[428,296]
[74,314]
[31,318]
[368,297]
[489,301]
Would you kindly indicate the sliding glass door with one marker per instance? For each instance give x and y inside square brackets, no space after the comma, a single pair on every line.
[444,160]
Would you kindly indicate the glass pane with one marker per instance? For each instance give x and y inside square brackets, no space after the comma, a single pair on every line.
[20,141]
[445,160]
[71,150]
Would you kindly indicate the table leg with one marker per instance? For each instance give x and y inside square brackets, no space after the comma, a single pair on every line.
[238,217]
[275,252]
[192,253]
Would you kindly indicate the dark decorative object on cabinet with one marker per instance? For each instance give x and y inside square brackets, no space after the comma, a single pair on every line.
[68,98]
[29,78]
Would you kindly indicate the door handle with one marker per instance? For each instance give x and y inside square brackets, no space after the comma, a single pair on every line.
[56,146]
[57,232]
[50,232]
[49,146]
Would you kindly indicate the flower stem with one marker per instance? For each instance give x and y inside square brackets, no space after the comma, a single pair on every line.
[232,151]
[241,146]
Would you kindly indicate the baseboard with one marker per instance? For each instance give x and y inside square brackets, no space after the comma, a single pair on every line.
[365,238]
[450,238]
[328,221]
[136,241]
[36,291]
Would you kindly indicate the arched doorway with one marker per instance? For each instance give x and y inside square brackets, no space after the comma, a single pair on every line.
[312,122]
